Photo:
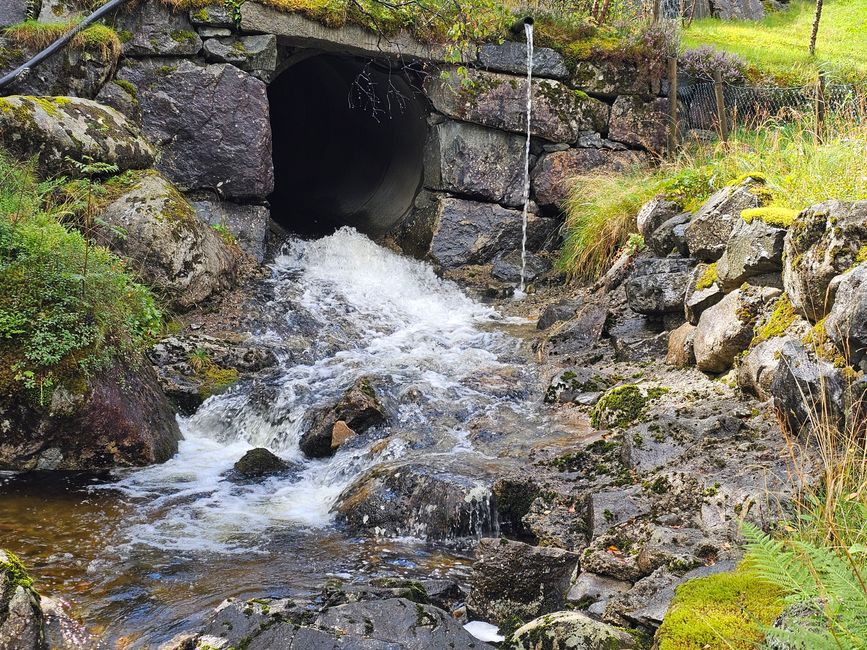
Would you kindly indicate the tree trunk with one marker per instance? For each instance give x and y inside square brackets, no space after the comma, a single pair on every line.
[816,20]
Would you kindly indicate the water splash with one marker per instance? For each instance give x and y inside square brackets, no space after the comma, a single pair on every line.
[528,31]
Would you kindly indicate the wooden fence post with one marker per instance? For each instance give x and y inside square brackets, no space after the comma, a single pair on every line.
[673,135]
[656,8]
[722,118]
[821,104]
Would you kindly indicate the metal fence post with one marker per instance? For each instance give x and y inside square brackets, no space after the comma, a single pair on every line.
[673,136]
[722,119]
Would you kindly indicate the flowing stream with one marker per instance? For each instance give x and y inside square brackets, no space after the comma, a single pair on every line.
[528,31]
[144,554]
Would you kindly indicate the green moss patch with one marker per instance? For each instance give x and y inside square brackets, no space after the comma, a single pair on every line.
[623,405]
[773,216]
[779,321]
[15,570]
[708,278]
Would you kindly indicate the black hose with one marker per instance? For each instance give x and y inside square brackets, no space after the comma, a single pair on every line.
[57,45]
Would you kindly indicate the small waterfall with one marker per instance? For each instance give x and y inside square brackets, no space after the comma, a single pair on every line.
[528,30]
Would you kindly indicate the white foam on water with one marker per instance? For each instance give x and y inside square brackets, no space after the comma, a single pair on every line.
[484,632]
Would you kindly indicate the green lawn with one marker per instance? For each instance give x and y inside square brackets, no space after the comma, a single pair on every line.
[777,46]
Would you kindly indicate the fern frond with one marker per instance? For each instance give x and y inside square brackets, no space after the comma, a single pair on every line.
[774,563]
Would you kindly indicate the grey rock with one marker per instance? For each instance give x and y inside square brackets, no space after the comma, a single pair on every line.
[670,236]
[556,312]
[610,507]
[512,579]
[681,352]
[511,56]
[16,11]
[757,371]
[212,32]
[120,99]
[165,242]
[726,329]
[246,222]
[475,161]
[570,385]
[582,331]
[612,78]
[21,617]
[553,175]
[59,11]
[737,9]
[592,140]
[640,123]
[639,348]
[259,462]
[708,233]
[500,101]
[654,213]
[823,243]
[752,249]
[56,128]
[658,285]
[570,631]
[846,324]
[156,30]
[429,501]
[211,124]
[215,15]
[591,588]
[245,52]
[508,267]
[698,300]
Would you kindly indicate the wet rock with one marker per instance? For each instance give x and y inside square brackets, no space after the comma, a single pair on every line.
[211,123]
[726,329]
[670,237]
[357,411]
[119,418]
[654,213]
[475,161]
[570,385]
[823,243]
[553,175]
[710,228]
[251,53]
[21,617]
[556,312]
[658,285]
[508,267]
[121,99]
[154,29]
[259,462]
[807,391]
[753,249]
[55,128]
[62,630]
[846,324]
[512,580]
[500,101]
[247,223]
[612,78]
[467,232]
[425,501]
[162,238]
[570,631]
[680,346]
[511,56]
[592,592]
[581,332]
[699,295]
[640,123]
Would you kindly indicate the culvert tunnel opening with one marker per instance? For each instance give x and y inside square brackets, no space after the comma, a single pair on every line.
[348,140]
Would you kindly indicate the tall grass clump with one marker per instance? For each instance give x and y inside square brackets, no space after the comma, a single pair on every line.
[67,307]
[799,170]
[36,35]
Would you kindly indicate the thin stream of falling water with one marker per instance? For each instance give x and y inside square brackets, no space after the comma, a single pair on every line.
[528,30]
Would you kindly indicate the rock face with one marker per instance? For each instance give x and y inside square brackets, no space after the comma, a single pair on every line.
[658,285]
[757,371]
[357,411]
[726,329]
[167,245]
[612,78]
[846,324]
[500,101]
[551,175]
[247,223]
[211,123]
[639,123]
[121,99]
[753,248]
[681,342]
[475,161]
[512,57]
[56,127]
[823,243]
[119,419]
[250,53]
[511,579]
[570,631]
[16,11]
[153,29]
[710,228]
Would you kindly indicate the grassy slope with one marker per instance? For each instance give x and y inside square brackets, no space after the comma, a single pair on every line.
[777,46]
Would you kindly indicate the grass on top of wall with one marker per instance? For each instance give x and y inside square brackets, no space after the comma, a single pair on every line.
[799,171]
[777,47]
[35,35]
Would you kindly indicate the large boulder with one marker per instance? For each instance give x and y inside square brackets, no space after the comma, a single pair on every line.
[670,237]
[753,249]
[658,285]
[759,367]
[118,417]
[122,98]
[570,631]
[726,329]
[681,346]
[512,580]
[654,213]
[824,242]
[258,463]
[710,228]
[248,223]
[640,123]
[475,161]
[511,56]
[152,28]
[357,411]
[211,123]
[553,173]
[54,128]
[846,324]
[166,244]
[500,101]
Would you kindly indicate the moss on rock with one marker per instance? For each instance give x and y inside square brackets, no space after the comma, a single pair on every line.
[623,405]
[708,278]
[778,322]
[773,216]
